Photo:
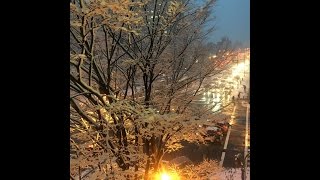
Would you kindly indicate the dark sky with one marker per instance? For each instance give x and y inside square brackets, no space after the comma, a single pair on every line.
[232,20]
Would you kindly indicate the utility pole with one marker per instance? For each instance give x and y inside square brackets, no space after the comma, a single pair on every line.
[246,143]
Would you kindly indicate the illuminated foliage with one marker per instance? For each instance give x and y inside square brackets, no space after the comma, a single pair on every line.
[123,117]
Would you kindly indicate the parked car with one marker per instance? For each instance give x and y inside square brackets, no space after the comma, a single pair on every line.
[224,127]
[213,134]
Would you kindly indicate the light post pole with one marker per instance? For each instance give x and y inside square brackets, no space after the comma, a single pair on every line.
[245,164]
[242,162]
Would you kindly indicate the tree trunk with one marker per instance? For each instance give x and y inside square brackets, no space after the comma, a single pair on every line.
[147,148]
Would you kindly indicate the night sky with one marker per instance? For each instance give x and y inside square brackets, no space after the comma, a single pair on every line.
[232,19]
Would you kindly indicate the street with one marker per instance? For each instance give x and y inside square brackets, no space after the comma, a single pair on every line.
[236,142]
[229,83]
[232,82]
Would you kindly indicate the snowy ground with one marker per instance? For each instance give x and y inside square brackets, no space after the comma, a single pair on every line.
[230,174]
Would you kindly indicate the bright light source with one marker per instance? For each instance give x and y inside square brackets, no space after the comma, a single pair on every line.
[165,176]
[238,69]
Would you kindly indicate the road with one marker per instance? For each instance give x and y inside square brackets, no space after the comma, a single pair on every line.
[196,153]
[236,142]
[230,82]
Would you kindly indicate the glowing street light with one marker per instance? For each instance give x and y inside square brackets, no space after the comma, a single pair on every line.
[167,176]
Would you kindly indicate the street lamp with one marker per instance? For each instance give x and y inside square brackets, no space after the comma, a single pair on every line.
[242,162]
[166,176]
[244,175]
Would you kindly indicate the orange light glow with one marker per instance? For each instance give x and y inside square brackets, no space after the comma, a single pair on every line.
[167,176]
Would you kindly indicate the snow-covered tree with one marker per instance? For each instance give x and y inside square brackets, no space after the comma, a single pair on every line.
[131,62]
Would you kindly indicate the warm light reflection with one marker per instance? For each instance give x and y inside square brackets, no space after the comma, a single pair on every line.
[238,69]
[226,85]
[216,107]
[247,141]
[229,79]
